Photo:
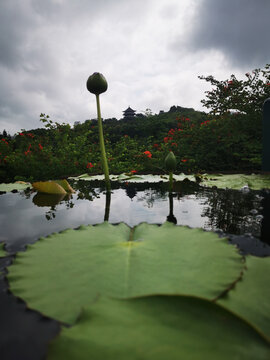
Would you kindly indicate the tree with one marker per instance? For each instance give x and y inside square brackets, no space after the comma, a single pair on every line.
[244,96]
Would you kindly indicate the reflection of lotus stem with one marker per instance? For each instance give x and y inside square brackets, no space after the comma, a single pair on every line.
[107,206]
[171,181]
[102,148]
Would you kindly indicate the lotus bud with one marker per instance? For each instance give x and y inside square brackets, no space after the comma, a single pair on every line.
[96,83]
[170,162]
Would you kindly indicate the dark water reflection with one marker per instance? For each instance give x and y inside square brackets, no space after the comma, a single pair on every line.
[26,216]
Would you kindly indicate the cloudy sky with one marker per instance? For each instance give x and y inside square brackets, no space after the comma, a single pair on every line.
[150,51]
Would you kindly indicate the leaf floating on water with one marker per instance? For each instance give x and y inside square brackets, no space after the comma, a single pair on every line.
[117,261]
[14,186]
[158,327]
[237,181]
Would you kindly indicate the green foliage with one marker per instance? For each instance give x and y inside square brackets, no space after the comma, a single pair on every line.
[245,96]
[201,142]
[120,262]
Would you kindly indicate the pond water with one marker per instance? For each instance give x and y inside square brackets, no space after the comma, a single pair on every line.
[242,216]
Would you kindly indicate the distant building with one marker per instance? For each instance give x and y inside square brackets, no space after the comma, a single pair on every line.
[129,113]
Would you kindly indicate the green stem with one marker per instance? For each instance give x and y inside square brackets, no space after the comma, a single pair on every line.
[102,148]
[171,181]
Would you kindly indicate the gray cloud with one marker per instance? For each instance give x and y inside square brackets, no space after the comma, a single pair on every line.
[238,28]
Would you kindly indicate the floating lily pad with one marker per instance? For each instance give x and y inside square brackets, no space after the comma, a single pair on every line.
[136,178]
[60,273]
[250,297]
[158,327]
[237,181]
[14,186]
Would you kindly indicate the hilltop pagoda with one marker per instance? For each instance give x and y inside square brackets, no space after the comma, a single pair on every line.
[129,113]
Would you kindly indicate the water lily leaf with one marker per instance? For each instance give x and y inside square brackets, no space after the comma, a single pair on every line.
[121,262]
[49,187]
[15,186]
[237,181]
[250,297]
[158,327]
[2,251]
[136,178]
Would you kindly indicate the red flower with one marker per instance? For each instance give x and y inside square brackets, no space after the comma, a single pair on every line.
[155,145]
[184,160]
[21,134]
[133,171]
[148,154]
[40,146]
[89,165]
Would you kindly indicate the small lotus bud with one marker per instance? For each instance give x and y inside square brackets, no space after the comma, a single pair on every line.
[96,83]
[170,162]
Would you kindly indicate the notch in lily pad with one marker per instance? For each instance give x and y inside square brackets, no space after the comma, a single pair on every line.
[97,84]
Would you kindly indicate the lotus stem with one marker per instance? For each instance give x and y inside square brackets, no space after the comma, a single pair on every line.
[171,181]
[102,147]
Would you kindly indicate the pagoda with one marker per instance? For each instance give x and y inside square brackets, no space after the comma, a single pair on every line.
[129,113]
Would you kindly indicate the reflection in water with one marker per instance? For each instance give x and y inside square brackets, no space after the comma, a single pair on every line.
[107,206]
[171,218]
[24,216]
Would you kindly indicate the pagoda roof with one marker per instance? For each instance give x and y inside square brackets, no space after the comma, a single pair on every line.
[129,109]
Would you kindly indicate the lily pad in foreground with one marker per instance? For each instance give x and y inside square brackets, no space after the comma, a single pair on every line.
[250,298]
[158,327]
[65,271]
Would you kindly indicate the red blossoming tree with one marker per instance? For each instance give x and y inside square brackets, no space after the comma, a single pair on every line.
[244,96]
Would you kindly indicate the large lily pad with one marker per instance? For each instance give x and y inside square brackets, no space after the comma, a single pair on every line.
[158,327]
[14,186]
[64,271]
[250,297]
[237,181]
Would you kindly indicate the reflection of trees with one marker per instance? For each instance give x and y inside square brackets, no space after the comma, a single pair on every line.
[230,210]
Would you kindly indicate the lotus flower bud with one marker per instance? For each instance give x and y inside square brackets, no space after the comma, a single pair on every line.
[170,162]
[96,83]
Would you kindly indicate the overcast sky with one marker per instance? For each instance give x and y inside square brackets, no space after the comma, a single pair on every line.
[150,51]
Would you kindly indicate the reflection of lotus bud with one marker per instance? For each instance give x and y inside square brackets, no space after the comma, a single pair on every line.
[170,162]
[97,84]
